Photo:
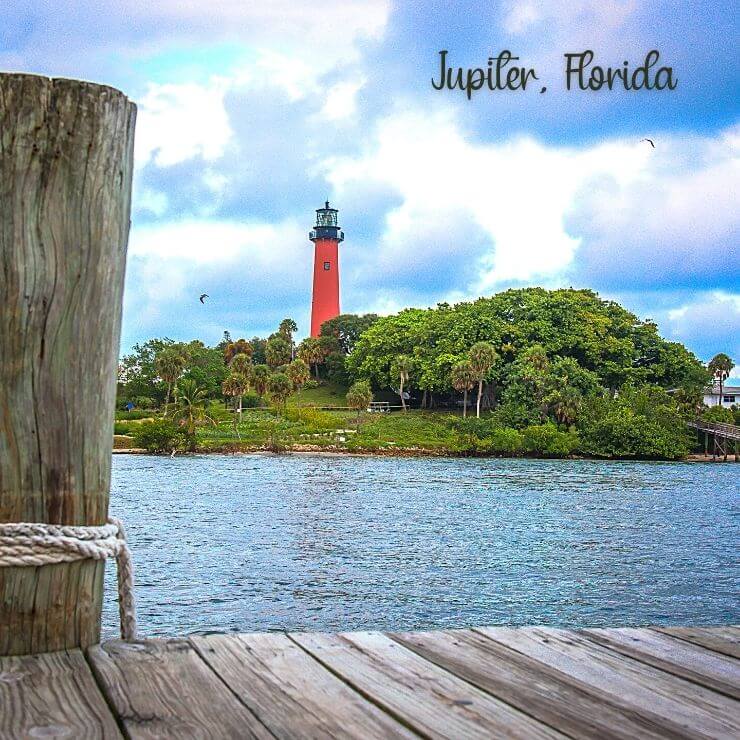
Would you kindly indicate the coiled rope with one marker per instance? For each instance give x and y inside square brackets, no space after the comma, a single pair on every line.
[25,544]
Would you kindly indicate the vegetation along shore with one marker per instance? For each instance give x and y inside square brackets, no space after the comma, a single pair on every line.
[527,372]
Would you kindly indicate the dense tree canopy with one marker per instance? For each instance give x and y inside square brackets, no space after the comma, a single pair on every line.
[600,336]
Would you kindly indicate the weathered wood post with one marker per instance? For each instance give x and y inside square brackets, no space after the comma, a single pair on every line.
[66,159]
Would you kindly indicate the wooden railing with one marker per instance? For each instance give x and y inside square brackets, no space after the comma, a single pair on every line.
[726,431]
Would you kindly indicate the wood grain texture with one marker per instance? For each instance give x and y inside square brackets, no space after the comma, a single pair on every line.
[424,696]
[292,694]
[162,688]
[66,158]
[558,700]
[671,655]
[701,712]
[724,640]
[52,695]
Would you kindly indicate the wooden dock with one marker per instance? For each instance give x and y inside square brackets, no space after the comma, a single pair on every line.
[532,682]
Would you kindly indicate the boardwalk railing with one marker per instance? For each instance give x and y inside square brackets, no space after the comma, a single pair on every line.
[726,431]
[724,437]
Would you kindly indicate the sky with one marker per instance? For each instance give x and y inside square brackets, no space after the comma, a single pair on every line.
[251,115]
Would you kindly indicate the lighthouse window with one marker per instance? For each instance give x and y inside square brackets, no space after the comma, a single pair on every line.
[327,265]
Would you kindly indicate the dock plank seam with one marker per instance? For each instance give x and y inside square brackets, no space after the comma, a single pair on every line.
[722,722]
[107,699]
[364,694]
[692,640]
[682,671]
[485,690]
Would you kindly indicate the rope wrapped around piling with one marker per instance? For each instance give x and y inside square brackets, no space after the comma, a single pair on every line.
[30,544]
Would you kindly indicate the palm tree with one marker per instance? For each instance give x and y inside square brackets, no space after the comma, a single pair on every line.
[240,347]
[190,405]
[287,328]
[261,379]
[236,385]
[241,363]
[463,379]
[169,364]
[311,352]
[720,366]
[566,403]
[401,369]
[482,357]
[360,396]
[298,373]
[278,351]
[280,389]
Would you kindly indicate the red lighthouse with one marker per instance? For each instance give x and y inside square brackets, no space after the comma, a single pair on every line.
[326,237]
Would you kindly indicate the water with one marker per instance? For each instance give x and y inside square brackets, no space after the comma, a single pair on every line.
[319,542]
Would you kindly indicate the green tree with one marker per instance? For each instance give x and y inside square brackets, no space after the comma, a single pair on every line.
[359,396]
[311,352]
[600,336]
[278,351]
[234,349]
[261,379]
[190,406]
[463,380]
[242,363]
[298,373]
[347,329]
[565,402]
[170,363]
[401,372]
[280,390]
[205,366]
[481,357]
[720,366]
[236,385]
[287,328]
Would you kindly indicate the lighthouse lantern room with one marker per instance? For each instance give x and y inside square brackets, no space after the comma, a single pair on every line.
[326,236]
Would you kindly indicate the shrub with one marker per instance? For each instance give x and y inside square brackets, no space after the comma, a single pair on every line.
[359,396]
[124,427]
[547,439]
[122,442]
[641,423]
[251,401]
[311,417]
[163,435]
[311,383]
[719,414]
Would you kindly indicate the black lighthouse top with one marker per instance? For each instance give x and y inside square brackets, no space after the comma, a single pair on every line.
[326,225]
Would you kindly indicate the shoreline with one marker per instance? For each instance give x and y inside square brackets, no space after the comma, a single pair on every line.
[404,452]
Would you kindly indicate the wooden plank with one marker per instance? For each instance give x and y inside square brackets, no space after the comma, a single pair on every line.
[679,657]
[725,640]
[576,709]
[699,710]
[162,688]
[291,693]
[52,695]
[424,696]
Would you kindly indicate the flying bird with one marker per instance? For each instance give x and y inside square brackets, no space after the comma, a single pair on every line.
[205,295]
[650,142]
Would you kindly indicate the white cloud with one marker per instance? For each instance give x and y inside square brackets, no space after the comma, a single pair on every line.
[516,192]
[179,122]
[710,321]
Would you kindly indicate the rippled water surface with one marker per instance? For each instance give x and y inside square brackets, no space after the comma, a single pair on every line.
[319,542]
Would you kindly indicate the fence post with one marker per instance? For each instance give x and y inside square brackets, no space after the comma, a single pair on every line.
[66,159]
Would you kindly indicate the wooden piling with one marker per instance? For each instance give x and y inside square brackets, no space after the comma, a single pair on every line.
[66,159]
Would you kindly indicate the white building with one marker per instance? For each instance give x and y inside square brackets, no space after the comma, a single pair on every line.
[730,396]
